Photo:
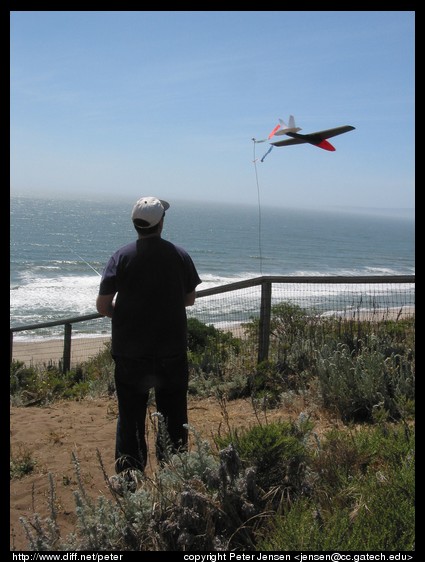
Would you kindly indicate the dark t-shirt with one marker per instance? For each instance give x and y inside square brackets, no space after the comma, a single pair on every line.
[152,278]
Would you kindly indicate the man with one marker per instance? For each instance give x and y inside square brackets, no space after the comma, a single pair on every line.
[145,288]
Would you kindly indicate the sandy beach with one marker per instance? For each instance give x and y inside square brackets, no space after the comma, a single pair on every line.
[45,352]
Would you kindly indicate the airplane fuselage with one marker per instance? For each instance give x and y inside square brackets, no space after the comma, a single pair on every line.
[316,139]
[313,139]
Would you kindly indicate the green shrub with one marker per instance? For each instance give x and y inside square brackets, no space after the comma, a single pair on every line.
[363,497]
[22,377]
[266,384]
[21,463]
[196,501]
[44,384]
[209,348]
[99,372]
[37,386]
[359,385]
[277,451]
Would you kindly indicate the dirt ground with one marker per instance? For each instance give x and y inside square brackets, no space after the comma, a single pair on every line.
[51,435]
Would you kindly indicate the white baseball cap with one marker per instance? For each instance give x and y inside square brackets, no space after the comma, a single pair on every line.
[148,211]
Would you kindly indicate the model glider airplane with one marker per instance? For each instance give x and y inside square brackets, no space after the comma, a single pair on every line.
[317,139]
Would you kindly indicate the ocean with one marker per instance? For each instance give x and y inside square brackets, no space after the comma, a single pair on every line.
[58,247]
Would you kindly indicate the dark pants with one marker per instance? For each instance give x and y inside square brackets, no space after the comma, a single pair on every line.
[133,380]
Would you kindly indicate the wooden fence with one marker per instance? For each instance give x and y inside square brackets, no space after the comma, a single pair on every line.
[392,300]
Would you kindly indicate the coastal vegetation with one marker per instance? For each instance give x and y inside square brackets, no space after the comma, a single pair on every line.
[276,486]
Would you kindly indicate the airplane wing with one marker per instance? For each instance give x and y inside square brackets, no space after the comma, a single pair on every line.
[289,141]
[322,135]
[314,138]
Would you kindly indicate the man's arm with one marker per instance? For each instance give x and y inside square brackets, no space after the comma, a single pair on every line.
[190,298]
[105,305]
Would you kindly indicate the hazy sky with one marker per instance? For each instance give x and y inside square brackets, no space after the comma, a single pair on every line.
[135,103]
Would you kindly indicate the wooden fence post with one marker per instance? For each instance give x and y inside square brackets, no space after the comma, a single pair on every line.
[67,347]
[264,327]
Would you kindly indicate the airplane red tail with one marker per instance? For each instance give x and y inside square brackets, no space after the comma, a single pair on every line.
[325,145]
